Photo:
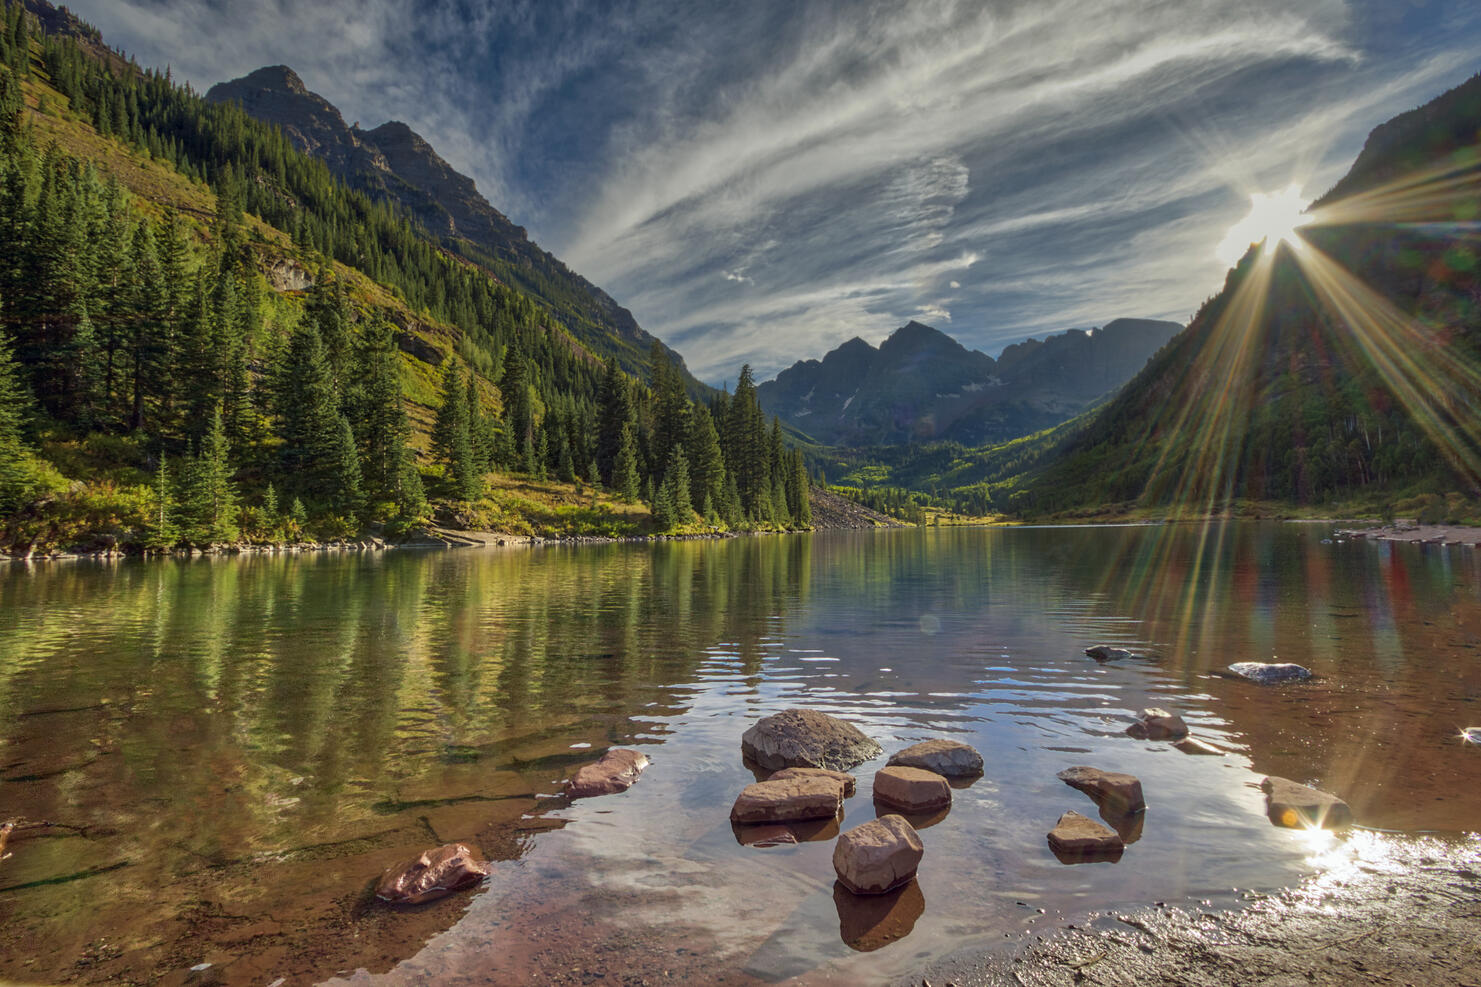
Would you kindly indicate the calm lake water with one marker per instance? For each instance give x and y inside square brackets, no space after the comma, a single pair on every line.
[237,747]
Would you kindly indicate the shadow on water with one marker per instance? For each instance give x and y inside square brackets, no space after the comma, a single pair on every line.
[243,745]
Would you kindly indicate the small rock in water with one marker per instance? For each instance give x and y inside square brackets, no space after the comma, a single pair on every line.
[1076,839]
[842,777]
[1117,793]
[1192,745]
[615,772]
[878,856]
[951,758]
[1296,806]
[1158,724]
[1104,652]
[1269,673]
[437,872]
[805,738]
[786,799]
[911,789]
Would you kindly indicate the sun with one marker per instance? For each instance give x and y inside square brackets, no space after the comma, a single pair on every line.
[1273,217]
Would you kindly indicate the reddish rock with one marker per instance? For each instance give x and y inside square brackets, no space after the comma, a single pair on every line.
[805,738]
[1297,806]
[951,758]
[868,922]
[1076,839]
[1192,745]
[878,856]
[1117,793]
[787,799]
[615,772]
[1158,724]
[437,872]
[911,789]
[842,777]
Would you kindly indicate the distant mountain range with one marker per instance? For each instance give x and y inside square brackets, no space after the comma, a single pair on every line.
[922,385]
[394,163]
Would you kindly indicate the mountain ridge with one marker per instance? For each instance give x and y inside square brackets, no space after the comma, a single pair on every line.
[921,384]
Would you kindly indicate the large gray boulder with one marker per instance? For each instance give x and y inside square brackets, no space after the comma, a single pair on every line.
[435,873]
[805,738]
[951,758]
[878,856]
[787,799]
[1298,806]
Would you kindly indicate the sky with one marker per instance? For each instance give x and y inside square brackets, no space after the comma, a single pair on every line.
[761,181]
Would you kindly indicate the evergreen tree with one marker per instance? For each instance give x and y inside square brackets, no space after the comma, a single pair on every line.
[451,444]
[624,481]
[707,463]
[380,420]
[676,479]
[346,467]
[308,418]
[616,414]
[164,532]
[209,505]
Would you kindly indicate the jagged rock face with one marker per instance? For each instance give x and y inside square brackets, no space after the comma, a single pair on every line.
[277,95]
[921,384]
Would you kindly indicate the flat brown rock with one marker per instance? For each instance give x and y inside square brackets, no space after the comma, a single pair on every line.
[911,789]
[950,758]
[1117,793]
[615,772]
[787,799]
[1158,724]
[805,738]
[842,777]
[878,856]
[1075,839]
[435,873]
[1298,806]
[1192,745]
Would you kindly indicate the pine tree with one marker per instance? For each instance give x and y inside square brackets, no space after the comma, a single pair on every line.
[308,418]
[380,419]
[616,414]
[209,505]
[676,479]
[15,399]
[707,463]
[451,443]
[164,532]
[346,500]
[624,481]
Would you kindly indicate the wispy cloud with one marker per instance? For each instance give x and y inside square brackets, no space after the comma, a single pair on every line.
[761,181]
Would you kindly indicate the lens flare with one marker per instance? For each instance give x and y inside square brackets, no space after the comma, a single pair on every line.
[1273,218]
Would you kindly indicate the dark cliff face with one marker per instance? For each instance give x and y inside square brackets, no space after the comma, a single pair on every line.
[392,161]
[921,384]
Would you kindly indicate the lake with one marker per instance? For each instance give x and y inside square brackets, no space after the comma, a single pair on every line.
[234,748]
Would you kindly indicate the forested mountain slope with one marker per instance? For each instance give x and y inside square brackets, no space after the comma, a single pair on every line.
[1343,364]
[206,336]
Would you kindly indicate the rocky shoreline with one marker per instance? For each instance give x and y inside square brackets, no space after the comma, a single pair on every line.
[1417,534]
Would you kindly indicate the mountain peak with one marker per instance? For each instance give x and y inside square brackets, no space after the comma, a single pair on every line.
[276,77]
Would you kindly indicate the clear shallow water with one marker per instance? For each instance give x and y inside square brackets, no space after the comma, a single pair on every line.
[251,741]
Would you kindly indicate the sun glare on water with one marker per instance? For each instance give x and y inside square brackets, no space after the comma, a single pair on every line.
[1273,217]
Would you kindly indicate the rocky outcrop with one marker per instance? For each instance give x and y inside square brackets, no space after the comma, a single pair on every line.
[1077,839]
[1298,806]
[911,790]
[1158,724]
[805,738]
[286,274]
[433,874]
[842,777]
[1269,673]
[787,799]
[1115,792]
[878,856]
[615,772]
[951,758]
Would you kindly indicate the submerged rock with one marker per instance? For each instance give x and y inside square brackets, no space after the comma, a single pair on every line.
[432,875]
[805,738]
[786,799]
[1296,806]
[1268,673]
[1158,724]
[842,777]
[1117,793]
[1077,839]
[951,758]
[878,856]
[1104,652]
[911,789]
[615,772]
